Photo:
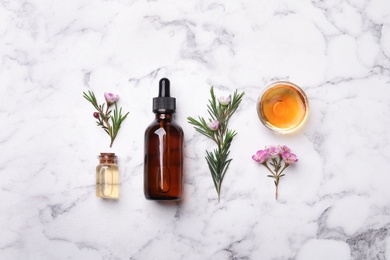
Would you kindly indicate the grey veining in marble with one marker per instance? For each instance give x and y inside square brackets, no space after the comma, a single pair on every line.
[334,204]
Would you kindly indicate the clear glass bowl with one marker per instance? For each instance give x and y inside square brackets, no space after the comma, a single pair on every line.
[282,107]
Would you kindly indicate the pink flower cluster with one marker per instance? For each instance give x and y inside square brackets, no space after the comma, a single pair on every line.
[274,151]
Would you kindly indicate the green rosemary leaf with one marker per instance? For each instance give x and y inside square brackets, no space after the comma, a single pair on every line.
[87,97]
[237,98]
[213,110]
[212,164]
[124,117]
[91,98]
[211,113]
[226,166]
[117,120]
[213,169]
[201,127]
[203,132]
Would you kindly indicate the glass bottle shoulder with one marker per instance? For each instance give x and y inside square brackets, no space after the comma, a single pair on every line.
[164,121]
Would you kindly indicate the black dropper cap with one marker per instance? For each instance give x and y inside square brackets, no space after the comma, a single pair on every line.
[164,103]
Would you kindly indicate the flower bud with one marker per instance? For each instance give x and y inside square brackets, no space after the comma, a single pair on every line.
[96,115]
[224,101]
[213,125]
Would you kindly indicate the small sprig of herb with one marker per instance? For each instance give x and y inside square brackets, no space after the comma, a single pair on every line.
[104,116]
[217,130]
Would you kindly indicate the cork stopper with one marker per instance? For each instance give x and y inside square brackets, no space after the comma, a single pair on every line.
[107,158]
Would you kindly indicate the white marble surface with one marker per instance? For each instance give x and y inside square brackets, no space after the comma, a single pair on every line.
[334,204]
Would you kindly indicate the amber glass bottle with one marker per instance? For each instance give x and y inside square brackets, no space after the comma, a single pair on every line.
[163,165]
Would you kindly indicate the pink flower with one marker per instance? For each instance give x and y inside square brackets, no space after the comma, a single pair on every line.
[213,125]
[289,158]
[111,98]
[96,115]
[261,156]
[284,149]
[224,101]
[273,151]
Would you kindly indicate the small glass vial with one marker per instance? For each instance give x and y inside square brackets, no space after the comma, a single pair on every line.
[107,177]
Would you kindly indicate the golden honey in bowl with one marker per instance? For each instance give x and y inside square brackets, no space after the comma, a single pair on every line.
[283,107]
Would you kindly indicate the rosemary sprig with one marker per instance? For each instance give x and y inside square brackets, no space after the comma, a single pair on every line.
[217,130]
[104,116]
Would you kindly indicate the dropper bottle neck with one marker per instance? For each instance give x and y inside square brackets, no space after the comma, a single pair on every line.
[164,115]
